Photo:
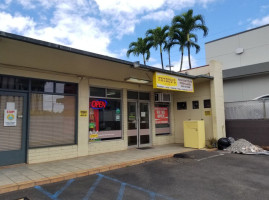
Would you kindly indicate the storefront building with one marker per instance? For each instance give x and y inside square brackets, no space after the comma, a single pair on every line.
[57,102]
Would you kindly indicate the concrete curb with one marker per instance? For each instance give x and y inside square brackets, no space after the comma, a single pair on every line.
[58,178]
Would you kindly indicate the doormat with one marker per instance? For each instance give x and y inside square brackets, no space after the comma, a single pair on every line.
[145,148]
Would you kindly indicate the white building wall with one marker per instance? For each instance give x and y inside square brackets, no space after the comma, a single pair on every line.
[254,42]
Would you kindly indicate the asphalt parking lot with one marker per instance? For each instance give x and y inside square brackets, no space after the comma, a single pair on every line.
[192,175]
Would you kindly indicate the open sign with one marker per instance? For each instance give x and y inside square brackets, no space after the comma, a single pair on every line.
[98,104]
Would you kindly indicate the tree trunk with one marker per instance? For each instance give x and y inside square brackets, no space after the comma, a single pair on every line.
[169,59]
[189,55]
[181,60]
[189,51]
[144,59]
[161,56]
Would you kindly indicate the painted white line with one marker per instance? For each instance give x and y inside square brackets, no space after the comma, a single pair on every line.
[209,157]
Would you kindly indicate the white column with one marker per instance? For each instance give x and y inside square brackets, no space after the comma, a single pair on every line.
[83,122]
[217,100]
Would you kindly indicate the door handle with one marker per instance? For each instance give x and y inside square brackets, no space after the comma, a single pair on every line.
[20,116]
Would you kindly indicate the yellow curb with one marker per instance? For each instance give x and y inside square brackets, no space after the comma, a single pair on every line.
[93,171]
[82,173]
[42,181]
[57,178]
[210,150]
[26,184]
[69,176]
[8,188]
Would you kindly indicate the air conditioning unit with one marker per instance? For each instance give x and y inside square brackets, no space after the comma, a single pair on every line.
[158,97]
[166,97]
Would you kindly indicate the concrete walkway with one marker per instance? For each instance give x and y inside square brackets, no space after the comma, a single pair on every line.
[24,176]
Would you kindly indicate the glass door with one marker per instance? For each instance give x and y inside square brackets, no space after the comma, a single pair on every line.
[12,128]
[132,124]
[144,130]
[138,124]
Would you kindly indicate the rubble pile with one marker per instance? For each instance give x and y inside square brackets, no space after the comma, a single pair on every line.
[245,147]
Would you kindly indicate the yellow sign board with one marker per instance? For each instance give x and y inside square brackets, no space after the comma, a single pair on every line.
[83,113]
[170,82]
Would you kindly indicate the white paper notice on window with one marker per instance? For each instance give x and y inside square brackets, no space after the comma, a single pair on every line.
[143,114]
[10,117]
[10,106]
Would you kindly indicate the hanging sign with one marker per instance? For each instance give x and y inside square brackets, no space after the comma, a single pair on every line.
[170,82]
[98,104]
[10,117]
[161,115]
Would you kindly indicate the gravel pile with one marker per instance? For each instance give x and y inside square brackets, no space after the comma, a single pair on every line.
[245,147]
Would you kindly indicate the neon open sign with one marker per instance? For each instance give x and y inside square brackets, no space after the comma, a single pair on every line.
[98,104]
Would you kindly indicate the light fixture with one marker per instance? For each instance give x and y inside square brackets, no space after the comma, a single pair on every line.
[239,51]
[136,64]
[136,80]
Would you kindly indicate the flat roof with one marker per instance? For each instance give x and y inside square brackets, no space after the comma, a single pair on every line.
[94,55]
[238,33]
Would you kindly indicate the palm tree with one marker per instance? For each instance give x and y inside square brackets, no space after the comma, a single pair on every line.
[169,43]
[157,37]
[188,23]
[181,39]
[142,46]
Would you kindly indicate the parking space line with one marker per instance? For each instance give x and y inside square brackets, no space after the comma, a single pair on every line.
[91,190]
[122,188]
[56,194]
[209,157]
[151,194]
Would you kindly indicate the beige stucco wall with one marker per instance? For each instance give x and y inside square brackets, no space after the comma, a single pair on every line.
[46,63]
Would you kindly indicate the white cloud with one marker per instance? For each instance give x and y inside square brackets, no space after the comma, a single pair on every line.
[15,23]
[151,59]
[185,64]
[130,6]
[124,15]
[86,24]
[160,15]
[65,27]
[158,65]
[260,22]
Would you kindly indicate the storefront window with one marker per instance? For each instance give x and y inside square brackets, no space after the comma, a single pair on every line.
[52,113]
[52,120]
[13,83]
[105,115]
[162,122]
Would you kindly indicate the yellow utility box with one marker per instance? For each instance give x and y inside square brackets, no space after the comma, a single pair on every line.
[194,134]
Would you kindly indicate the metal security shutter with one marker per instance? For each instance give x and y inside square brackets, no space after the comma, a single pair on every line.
[52,120]
[10,137]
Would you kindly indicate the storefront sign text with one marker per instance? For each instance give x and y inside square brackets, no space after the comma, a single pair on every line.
[161,115]
[170,82]
[83,113]
[98,104]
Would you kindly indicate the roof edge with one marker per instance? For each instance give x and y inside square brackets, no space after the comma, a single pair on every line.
[237,33]
[86,53]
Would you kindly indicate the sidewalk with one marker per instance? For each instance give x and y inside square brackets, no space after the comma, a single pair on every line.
[24,176]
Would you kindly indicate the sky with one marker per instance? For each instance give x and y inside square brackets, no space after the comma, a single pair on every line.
[107,27]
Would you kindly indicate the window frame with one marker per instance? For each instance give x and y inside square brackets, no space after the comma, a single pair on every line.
[113,98]
[29,92]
